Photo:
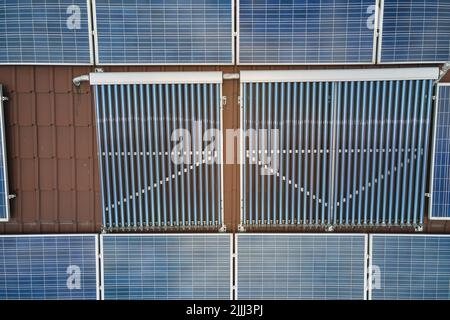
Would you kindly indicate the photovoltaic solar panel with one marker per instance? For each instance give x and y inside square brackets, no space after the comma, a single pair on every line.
[307,32]
[440,194]
[166,266]
[45,32]
[415,31]
[48,267]
[164,32]
[410,267]
[4,189]
[300,266]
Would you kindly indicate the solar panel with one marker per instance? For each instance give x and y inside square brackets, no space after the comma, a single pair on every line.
[415,31]
[440,192]
[351,147]
[166,266]
[4,193]
[307,32]
[410,267]
[164,32]
[144,185]
[301,266]
[48,267]
[45,32]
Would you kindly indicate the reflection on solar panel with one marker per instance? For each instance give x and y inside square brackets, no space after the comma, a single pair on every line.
[301,266]
[50,267]
[138,114]
[415,31]
[4,194]
[440,193]
[164,32]
[167,266]
[306,31]
[347,153]
[410,267]
[45,32]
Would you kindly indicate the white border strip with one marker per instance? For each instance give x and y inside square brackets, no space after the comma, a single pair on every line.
[100,78]
[4,158]
[382,74]
[433,154]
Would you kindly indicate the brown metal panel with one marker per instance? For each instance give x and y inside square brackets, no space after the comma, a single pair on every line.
[44,109]
[83,142]
[45,142]
[65,178]
[84,173]
[63,109]
[64,138]
[26,142]
[24,105]
[47,179]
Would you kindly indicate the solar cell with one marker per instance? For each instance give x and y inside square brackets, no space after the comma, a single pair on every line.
[415,31]
[166,266]
[410,267]
[300,266]
[4,189]
[48,267]
[307,32]
[164,32]
[45,32]
[440,192]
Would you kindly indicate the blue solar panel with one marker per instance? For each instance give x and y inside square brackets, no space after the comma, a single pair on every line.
[306,31]
[164,32]
[301,266]
[415,31]
[4,194]
[44,32]
[50,267]
[410,267]
[441,165]
[167,266]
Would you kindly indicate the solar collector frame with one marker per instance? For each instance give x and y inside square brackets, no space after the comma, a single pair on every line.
[417,81]
[380,39]
[406,263]
[44,291]
[100,63]
[90,16]
[190,92]
[374,44]
[441,87]
[191,236]
[265,293]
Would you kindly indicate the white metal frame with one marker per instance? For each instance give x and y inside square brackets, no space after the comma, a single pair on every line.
[5,155]
[330,75]
[366,239]
[433,154]
[102,266]
[393,235]
[99,63]
[107,78]
[95,235]
[374,49]
[380,42]
[91,50]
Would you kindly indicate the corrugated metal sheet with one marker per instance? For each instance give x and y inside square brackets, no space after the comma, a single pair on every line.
[52,162]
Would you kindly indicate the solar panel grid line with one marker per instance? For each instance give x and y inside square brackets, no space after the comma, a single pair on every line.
[365,9]
[151,52]
[409,267]
[439,208]
[4,188]
[81,56]
[44,253]
[401,32]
